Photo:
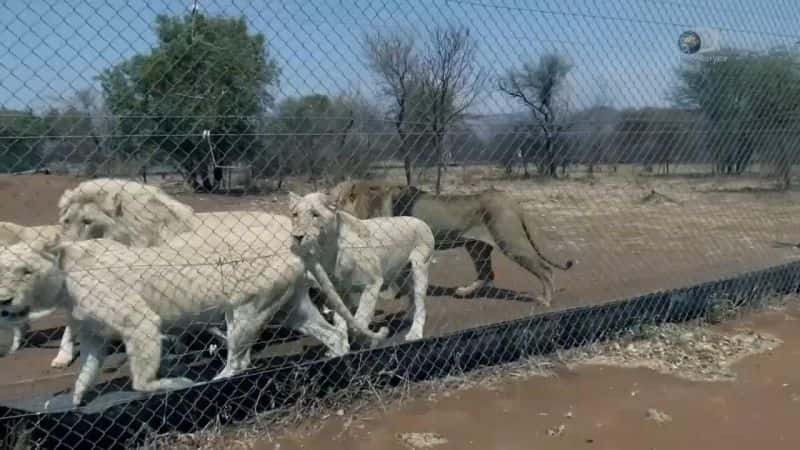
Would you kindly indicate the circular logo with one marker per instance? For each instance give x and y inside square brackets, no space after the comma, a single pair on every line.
[689,42]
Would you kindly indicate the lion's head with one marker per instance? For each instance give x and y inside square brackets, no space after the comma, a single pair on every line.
[312,217]
[365,199]
[131,213]
[28,280]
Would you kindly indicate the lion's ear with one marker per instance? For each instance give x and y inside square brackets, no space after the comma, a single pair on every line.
[64,201]
[352,193]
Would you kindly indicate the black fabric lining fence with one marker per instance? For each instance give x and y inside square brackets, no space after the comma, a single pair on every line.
[124,419]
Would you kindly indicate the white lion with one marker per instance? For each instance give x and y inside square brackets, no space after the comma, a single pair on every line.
[350,255]
[11,233]
[136,294]
[138,215]
[129,212]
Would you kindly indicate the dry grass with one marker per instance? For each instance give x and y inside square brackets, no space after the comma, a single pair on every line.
[688,352]
[691,351]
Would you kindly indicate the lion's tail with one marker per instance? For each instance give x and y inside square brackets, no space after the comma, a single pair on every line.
[779,244]
[567,265]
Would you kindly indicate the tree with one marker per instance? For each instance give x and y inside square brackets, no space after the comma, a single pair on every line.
[431,88]
[77,131]
[22,138]
[749,102]
[308,127]
[593,131]
[360,136]
[718,87]
[775,123]
[450,83]
[303,121]
[393,58]
[205,73]
[537,87]
[319,135]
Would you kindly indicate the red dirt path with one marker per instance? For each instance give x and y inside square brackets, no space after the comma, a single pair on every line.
[759,410]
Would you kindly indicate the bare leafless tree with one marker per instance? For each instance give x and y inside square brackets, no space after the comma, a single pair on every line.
[536,86]
[451,81]
[393,58]
[431,87]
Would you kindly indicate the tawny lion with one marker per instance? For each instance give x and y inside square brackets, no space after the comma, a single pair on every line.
[478,222]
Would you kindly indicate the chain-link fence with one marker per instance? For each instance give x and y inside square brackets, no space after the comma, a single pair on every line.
[214,209]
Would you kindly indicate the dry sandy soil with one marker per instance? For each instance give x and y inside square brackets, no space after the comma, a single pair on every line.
[597,407]
[625,241]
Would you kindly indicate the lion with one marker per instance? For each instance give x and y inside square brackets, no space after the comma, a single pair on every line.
[114,291]
[137,215]
[348,255]
[12,233]
[478,222]
[140,215]
[128,212]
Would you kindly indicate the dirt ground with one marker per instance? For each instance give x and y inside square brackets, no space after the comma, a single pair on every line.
[593,407]
[625,239]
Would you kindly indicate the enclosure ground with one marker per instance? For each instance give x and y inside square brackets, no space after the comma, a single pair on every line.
[626,241]
[594,407]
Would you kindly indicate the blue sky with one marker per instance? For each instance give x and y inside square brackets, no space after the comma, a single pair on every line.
[625,48]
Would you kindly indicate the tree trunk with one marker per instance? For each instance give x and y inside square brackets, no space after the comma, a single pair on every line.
[525,172]
[280,179]
[552,164]
[439,163]
[407,168]
[218,173]
[208,184]
[438,178]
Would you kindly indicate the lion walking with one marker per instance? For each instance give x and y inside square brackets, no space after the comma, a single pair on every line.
[478,222]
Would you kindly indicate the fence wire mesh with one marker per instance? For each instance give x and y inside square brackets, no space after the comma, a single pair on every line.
[212,208]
